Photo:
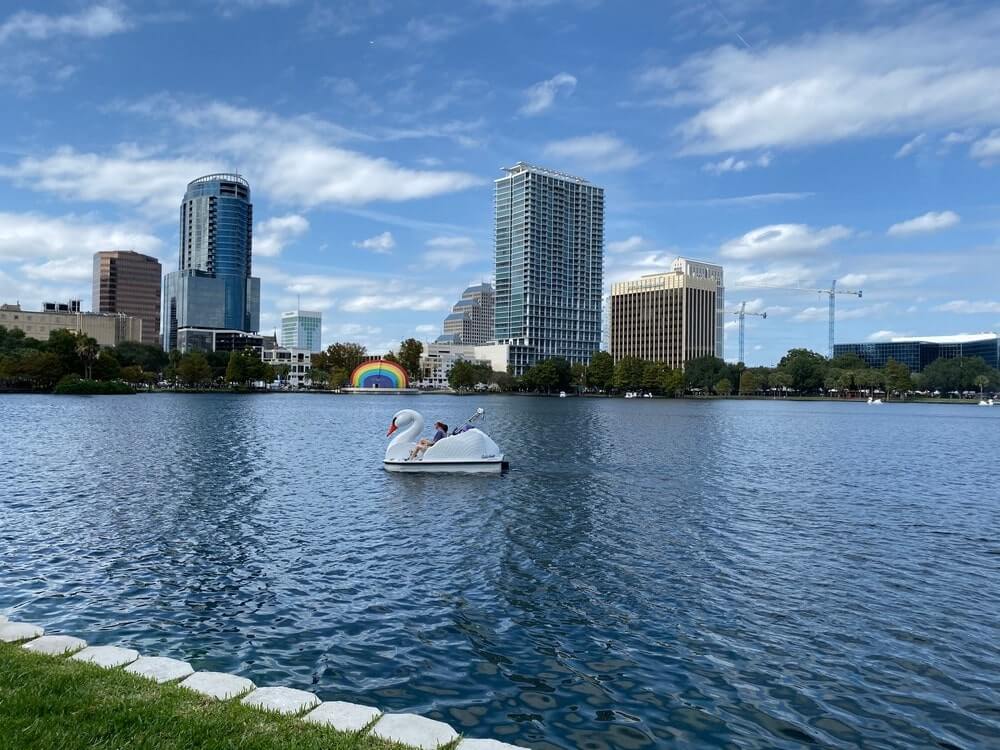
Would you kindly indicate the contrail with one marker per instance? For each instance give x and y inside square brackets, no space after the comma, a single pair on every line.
[730,24]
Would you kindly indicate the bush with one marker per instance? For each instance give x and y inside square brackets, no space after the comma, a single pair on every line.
[74,385]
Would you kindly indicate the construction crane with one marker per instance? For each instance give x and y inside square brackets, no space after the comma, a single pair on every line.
[832,293]
[742,314]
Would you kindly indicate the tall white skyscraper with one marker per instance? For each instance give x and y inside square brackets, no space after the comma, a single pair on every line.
[302,329]
[549,265]
[699,270]
[471,318]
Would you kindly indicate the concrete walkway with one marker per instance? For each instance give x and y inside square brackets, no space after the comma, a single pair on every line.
[407,729]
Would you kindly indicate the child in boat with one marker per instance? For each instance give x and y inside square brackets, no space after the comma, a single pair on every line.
[424,444]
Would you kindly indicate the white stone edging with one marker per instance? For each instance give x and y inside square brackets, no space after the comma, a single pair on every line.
[403,728]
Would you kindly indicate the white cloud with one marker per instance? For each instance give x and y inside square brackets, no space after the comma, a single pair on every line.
[128,175]
[600,152]
[96,21]
[380,243]
[938,70]
[732,164]
[822,313]
[964,136]
[911,146]
[965,307]
[379,302]
[292,160]
[425,329]
[451,252]
[781,240]
[271,235]
[64,269]
[635,242]
[987,149]
[932,221]
[32,237]
[884,335]
[542,95]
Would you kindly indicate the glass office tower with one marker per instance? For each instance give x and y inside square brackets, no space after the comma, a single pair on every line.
[549,265]
[213,286]
[302,329]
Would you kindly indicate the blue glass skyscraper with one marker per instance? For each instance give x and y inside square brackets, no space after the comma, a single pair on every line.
[213,286]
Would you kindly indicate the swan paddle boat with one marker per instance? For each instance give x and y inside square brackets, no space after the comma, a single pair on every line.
[469,451]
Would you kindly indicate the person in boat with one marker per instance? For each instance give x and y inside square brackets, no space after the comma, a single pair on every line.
[424,444]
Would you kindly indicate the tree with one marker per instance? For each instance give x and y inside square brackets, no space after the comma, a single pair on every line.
[344,355]
[338,377]
[462,375]
[629,372]
[106,367]
[805,368]
[409,357]
[982,381]
[749,382]
[193,369]
[671,382]
[133,375]
[87,350]
[173,362]
[147,356]
[704,372]
[897,378]
[652,376]
[601,372]
[723,388]
[782,381]
[236,371]
[578,376]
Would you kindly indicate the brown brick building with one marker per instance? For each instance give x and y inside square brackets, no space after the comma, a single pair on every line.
[129,282]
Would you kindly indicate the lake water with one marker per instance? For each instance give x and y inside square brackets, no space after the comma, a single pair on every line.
[649,574]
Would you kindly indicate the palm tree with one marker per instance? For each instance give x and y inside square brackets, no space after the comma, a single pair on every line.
[982,381]
[87,350]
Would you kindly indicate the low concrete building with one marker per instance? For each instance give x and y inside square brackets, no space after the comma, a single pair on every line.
[299,363]
[106,329]
[216,340]
[439,357]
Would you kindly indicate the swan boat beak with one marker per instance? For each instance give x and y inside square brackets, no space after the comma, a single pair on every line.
[392,428]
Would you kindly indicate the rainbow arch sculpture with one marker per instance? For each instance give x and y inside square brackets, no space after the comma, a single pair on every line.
[379,373]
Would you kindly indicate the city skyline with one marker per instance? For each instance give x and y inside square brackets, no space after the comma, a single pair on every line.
[372,161]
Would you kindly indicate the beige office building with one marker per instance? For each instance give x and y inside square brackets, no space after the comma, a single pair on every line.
[129,282]
[108,330]
[665,317]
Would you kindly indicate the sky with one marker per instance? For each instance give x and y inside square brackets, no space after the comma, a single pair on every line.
[793,141]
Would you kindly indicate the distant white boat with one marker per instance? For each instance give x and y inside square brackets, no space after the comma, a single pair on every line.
[562,394]
[631,394]
[987,402]
[874,401]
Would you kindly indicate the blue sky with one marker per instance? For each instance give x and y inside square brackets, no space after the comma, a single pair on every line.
[793,141]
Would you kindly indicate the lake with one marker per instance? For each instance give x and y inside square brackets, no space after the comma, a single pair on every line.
[650,573]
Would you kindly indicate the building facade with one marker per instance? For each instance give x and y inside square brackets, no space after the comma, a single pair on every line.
[297,359]
[667,317]
[129,282]
[700,270]
[472,317]
[549,252]
[192,339]
[302,329]
[918,352]
[106,329]
[213,286]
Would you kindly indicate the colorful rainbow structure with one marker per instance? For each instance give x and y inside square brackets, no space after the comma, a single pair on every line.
[379,373]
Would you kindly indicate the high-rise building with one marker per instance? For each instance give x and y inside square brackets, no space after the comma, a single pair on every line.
[699,270]
[916,352]
[302,329]
[549,265]
[471,318]
[213,287]
[129,282]
[665,317]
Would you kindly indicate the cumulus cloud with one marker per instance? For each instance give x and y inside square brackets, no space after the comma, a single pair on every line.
[542,95]
[822,313]
[33,237]
[376,302]
[600,152]
[380,243]
[782,240]
[932,221]
[987,149]
[911,146]
[937,70]
[425,329]
[635,242]
[732,164]
[965,307]
[98,20]
[884,335]
[271,235]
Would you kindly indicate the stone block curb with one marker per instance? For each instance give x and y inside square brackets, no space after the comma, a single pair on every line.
[346,717]
[11,632]
[218,685]
[160,668]
[55,645]
[416,731]
[281,700]
[108,657]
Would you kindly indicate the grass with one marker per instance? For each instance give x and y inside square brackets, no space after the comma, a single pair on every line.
[53,702]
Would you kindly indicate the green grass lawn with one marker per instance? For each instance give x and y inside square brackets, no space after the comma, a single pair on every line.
[52,702]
